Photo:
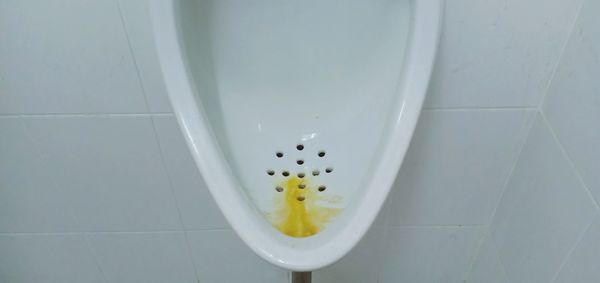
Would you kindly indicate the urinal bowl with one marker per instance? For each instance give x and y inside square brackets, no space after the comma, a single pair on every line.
[298,113]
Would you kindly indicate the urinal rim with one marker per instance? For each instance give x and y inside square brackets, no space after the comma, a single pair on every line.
[421,52]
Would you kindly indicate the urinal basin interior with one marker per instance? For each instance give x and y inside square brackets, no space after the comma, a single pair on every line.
[297,88]
[298,113]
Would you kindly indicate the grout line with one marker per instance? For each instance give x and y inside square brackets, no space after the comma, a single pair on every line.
[498,257]
[563,150]
[438,226]
[173,195]
[132,54]
[145,95]
[479,108]
[486,235]
[560,56]
[572,249]
[154,129]
[94,255]
[160,147]
[209,230]
[569,160]
[582,183]
[40,233]
[526,136]
[489,238]
[83,232]
[43,157]
[517,158]
[108,232]
[83,115]
[166,172]
[161,114]
[190,255]
[156,138]
[147,114]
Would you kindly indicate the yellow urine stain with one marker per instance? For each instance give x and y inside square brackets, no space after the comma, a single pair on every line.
[297,213]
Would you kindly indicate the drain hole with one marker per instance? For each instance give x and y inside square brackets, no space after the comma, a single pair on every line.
[300,198]
[316,172]
[300,161]
[321,153]
[301,186]
[279,189]
[279,154]
[270,172]
[300,147]
[329,170]
[301,175]
[322,188]
[285,173]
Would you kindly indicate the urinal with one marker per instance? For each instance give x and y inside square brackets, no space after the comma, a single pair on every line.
[298,113]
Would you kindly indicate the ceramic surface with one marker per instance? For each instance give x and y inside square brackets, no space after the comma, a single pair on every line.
[298,114]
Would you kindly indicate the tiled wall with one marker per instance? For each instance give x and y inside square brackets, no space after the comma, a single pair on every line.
[547,228]
[97,185]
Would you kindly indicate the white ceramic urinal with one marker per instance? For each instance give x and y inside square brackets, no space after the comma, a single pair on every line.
[298,113]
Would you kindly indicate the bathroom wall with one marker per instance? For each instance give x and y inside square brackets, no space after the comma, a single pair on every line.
[547,228]
[97,185]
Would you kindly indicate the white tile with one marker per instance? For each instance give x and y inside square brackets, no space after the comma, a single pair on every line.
[428,254]
[361,265]
[589,23]
[574,98]
[46,258]
[143,257]
[29,199]
[221,257]
[198,209]
[487,267]
[543,211]
[583,265]
[457,166]
[66,56]
[139,30]
[499,52]
[111,169]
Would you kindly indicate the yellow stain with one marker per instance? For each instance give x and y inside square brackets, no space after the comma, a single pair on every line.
[297,213]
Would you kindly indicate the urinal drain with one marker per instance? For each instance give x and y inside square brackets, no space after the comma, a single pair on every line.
[301,182]
[302,202]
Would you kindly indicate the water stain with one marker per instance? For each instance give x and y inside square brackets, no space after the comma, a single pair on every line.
[298,212]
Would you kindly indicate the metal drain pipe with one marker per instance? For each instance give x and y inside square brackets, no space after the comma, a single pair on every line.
[301,277]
